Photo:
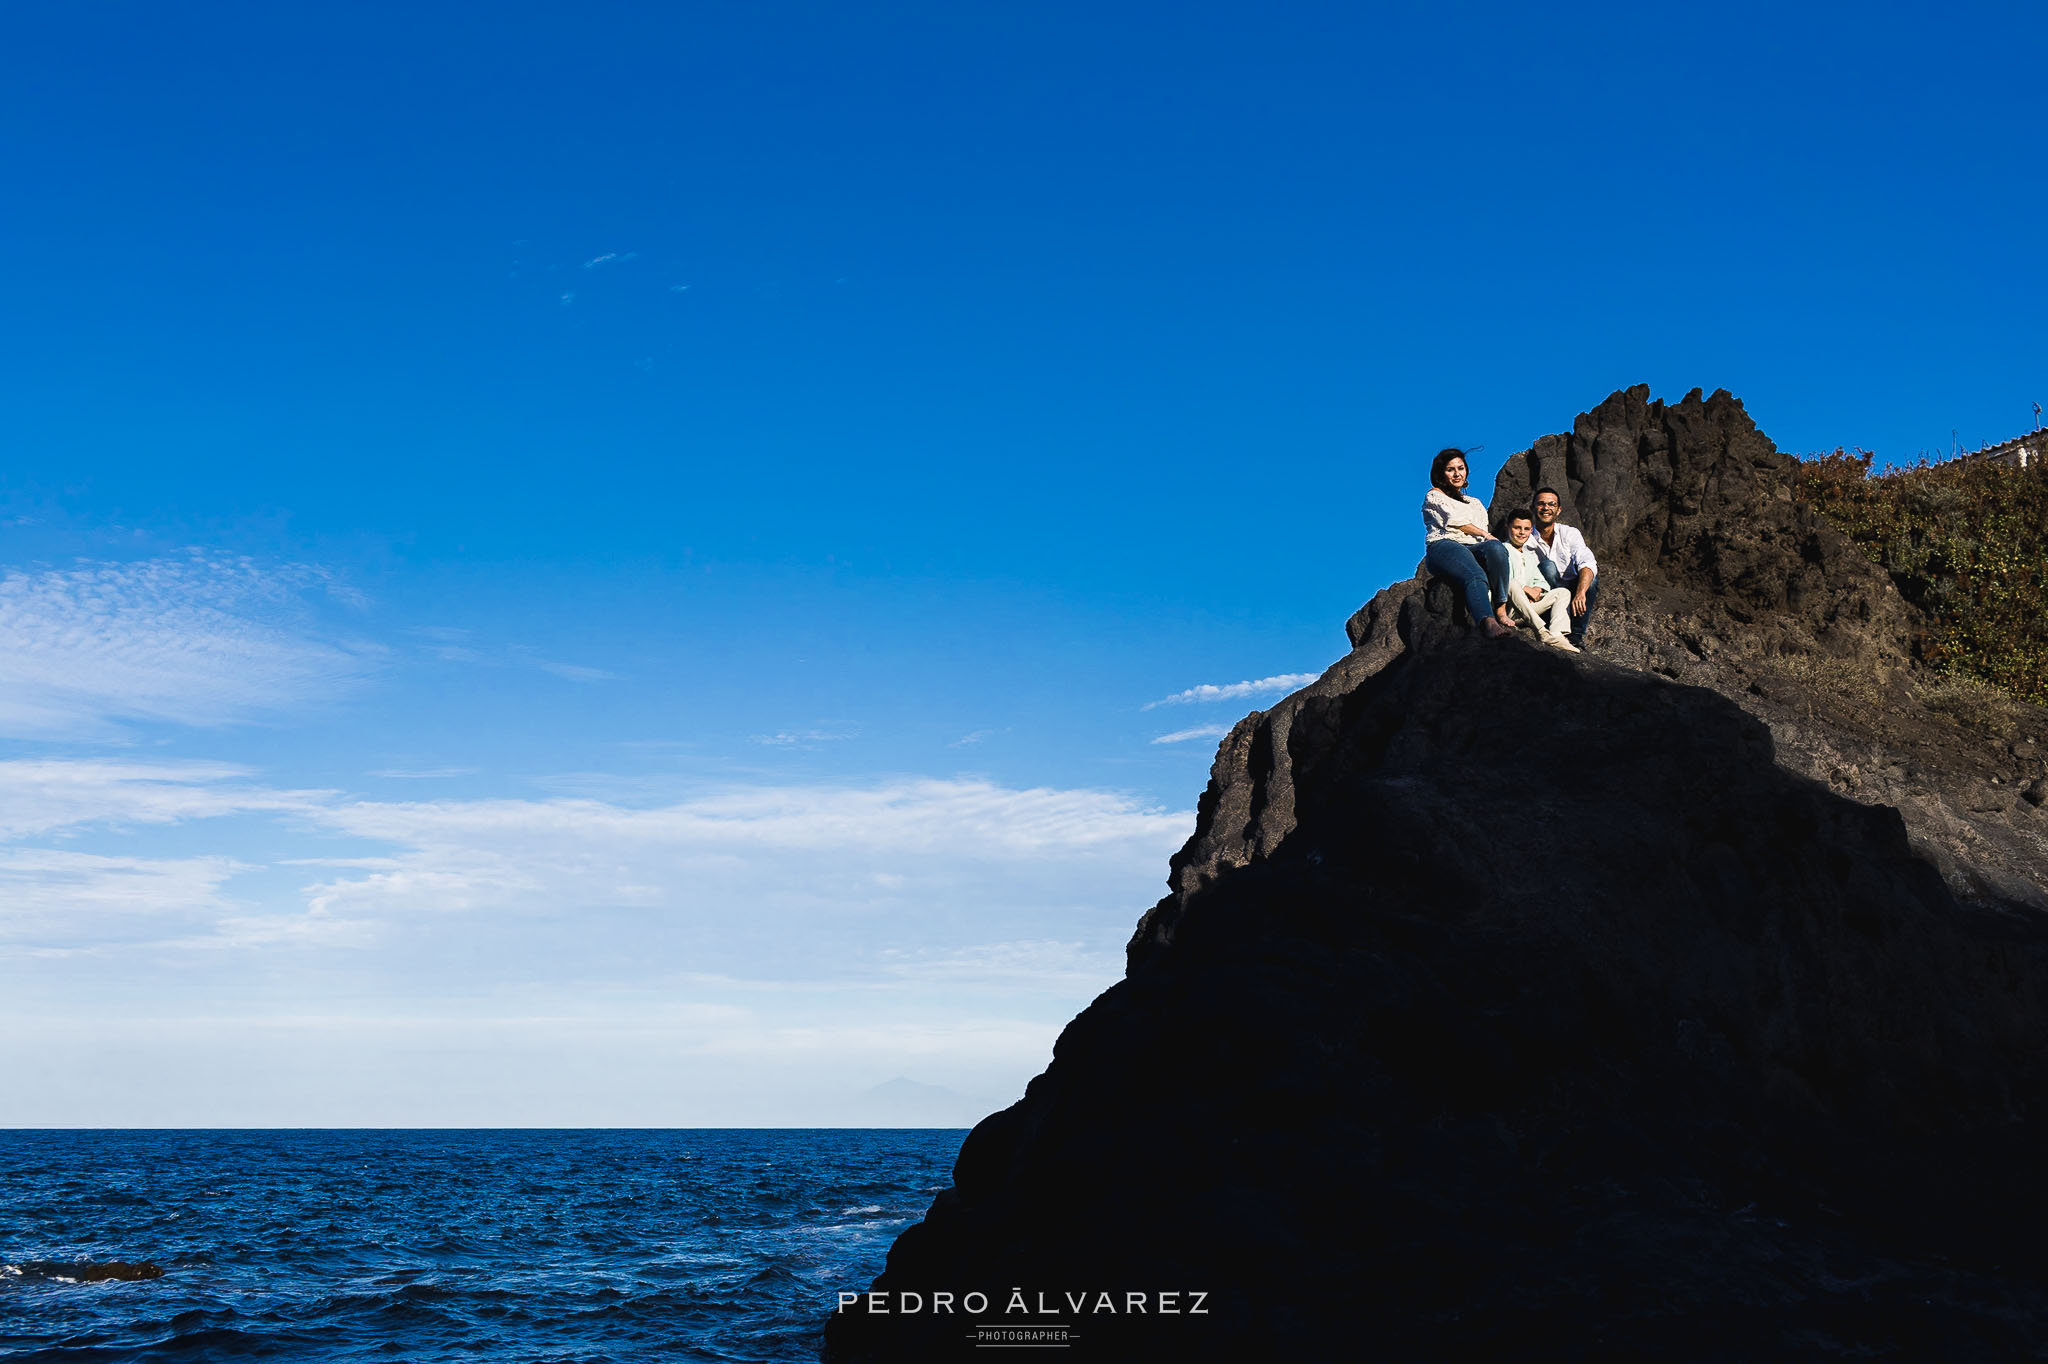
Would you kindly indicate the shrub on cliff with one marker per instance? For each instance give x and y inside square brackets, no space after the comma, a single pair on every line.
[1967,543]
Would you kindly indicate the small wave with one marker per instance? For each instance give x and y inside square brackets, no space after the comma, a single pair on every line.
[84,1271]
[228,1342]
[860,1212]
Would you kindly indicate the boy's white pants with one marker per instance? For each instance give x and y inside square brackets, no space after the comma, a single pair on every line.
[1557,603]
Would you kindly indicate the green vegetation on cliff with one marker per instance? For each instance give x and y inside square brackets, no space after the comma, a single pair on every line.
[1967,543]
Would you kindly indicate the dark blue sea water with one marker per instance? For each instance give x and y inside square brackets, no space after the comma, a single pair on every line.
[430,1246]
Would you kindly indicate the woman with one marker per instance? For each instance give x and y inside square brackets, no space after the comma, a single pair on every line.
[1459,548]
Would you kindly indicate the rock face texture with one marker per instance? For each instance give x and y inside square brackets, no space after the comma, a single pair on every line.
[1686,999]
[1722,579]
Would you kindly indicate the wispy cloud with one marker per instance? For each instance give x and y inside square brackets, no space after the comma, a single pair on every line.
[75,901]
[575,672]
[797,871]
[421,773]
[969,816]
[202,639]
[610,258]
[966,740]
[1035,965]
[738,942]
[1234,691]
[1181,736]
[65,901]
[281,931]
[450,645]
[801,738]
[790,879]
[40,797]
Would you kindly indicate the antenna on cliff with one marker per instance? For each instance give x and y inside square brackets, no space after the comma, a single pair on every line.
[2037,416]
[1955,447]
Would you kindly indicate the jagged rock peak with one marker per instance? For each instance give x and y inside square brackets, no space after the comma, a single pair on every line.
[1693,514]
[1645,479]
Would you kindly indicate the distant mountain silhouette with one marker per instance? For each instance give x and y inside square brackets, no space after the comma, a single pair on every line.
[904,1102]
[1686,999]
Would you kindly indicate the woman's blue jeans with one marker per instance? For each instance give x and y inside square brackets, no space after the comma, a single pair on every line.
[1479,571]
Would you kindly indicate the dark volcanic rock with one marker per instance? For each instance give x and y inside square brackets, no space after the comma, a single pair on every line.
[1550,1007]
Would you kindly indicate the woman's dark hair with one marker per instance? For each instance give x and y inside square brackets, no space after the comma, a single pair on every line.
[1436,470]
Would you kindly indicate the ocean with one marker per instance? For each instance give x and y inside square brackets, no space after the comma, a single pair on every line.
[418,1246]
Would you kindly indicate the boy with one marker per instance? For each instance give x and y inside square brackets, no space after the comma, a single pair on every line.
[1530,594]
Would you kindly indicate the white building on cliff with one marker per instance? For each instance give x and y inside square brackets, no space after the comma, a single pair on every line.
[2022,452]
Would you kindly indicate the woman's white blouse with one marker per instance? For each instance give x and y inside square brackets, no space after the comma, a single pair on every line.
[1441,511]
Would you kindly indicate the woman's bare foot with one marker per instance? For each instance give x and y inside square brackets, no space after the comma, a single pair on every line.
[1495,630]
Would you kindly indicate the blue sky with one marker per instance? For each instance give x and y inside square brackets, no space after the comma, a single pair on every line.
[628,564]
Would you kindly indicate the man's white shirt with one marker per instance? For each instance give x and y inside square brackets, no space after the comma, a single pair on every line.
[1567,555]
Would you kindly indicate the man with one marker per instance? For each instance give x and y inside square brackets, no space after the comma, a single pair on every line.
[1546,608]
[1566,561]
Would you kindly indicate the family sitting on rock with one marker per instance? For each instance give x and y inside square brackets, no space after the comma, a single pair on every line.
[1543,570]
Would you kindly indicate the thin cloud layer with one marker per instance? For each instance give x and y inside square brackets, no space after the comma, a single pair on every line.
[789,940]
[1181,736]
[575,672]
[812,854]
[67,901]
[452,645]
[800,738]
[1030,965]
[739,879]
[198,640]
[64,796]
[1234,691]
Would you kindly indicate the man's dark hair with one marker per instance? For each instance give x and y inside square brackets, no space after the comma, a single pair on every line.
[1442,460]
[1540,491]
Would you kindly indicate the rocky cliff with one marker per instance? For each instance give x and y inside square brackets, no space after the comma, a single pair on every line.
[1687,998]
